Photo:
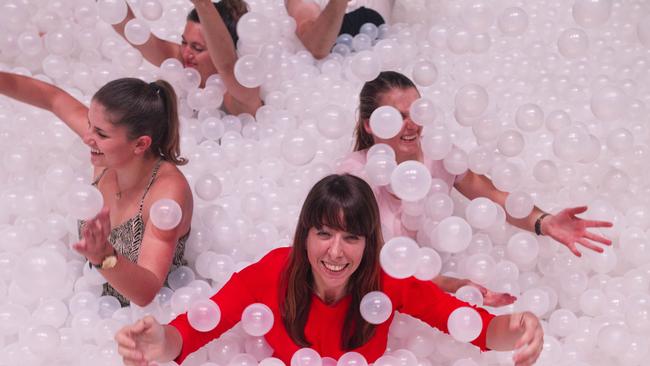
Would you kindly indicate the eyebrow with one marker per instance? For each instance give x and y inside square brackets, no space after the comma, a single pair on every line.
[95,127]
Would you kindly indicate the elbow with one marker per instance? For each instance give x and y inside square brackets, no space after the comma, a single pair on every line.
[320,53]
[144,299]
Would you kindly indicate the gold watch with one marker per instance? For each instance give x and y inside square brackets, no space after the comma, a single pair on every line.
[108,262]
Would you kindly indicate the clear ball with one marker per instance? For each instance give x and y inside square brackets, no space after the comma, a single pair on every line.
[376,307]
[165,214]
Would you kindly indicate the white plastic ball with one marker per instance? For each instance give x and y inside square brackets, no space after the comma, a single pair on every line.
[399,257]
[425,73]
[332,121]
[453,234]
[522,248]
[376,307]
[429,264]
[436,142]
[151,10]
[208,187]
[465,324]
[137,31]
[609,103]
[257,319]
[511,143]
[253,27]
[481,213]
[470,294]
[519,204]
[471,100]
[204,315]
[365,65]
[306,357]
[250,71]
[165,214]
[386,122]
[573,43]
[40,271]
[591,13]
[411,180]
[513,21]
[84,201]
[298,147]
[112,11]
[379,169]
[529,117]
[422,111]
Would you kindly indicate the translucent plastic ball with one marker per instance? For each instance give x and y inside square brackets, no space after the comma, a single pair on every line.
[471,100]
[112,11]
[425,73]
[376,307]
[519,204]
[361,42]
[506,176]
[365,65]
[352,359]
[257,319]
[609,103]
[592,302]
[379,169]
[30,42]
[180,277]
[513,21]
[250,71]
[208,187]
[399,257]
[84,201]
[423,111]
[481,213]
[332,121]
[386,122]
[165,214]
[453,234]
[613,339]
[470,295]
[545,171]
[436,142]
[306,357]
[253,27]
[536,301]
[41,271]
[529,117]
[43,340]
[562,322]
[204,315]
[411,180]
[271,361]
[511,143]
[591,13]
[429,264]
[573,43]
[479,268]
[522,248]
[439,206]
[151,10]
[465,324]
[137,31]
[298,147]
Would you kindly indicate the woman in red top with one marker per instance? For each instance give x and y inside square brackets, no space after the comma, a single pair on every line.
[314,290]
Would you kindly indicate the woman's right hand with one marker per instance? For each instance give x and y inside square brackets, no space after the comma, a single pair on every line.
[142,342]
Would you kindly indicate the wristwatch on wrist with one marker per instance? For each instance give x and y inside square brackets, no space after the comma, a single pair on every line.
[107,263]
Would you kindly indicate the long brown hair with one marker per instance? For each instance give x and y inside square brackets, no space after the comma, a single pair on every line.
[230,12]
[369,97]
[145,109]
[343,202]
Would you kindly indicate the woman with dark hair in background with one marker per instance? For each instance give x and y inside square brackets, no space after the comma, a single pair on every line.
[314,290]
[208,45]
[132,130]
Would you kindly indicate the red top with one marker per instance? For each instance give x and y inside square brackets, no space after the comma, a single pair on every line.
[259,283]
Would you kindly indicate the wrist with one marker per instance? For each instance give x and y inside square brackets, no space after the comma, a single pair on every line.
[539,224]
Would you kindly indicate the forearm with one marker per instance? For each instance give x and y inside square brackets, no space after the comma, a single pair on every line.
[449,284]
[319,35]
[173,344]
[220,44]
[499,335]
[133,281]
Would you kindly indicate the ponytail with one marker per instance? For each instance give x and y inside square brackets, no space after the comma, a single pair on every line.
[145,110]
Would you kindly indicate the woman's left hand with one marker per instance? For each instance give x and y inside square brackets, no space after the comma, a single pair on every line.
[492,298]
[531,343]
[94,243]
[568,229]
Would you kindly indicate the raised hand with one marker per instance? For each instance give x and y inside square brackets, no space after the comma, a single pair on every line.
[142,342]
[94,243]
[570,230]
[531,342]
[494,299]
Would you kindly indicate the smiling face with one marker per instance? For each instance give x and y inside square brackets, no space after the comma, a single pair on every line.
[109,143]
[406,143]
[334,255]
[194,51]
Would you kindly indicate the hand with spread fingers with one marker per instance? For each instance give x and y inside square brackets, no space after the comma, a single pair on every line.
[570,230]
[492,298]
[531,342]
[94,243]
[141,343]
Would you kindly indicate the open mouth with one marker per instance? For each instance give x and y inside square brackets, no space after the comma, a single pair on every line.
[335,268]
[96,152]
[409,138]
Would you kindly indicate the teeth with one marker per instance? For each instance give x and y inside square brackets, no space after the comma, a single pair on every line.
[95,151]
[409,138]
[334,267]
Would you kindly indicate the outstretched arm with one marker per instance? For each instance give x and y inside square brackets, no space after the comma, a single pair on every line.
[518,331]
[155,50]
[46,96]
[490,298]
[564,227]
[316,29]
[223,56]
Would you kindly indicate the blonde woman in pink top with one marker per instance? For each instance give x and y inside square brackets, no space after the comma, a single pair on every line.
[394,89]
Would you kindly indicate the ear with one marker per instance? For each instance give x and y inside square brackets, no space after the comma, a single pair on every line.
[142,144]
[366,126]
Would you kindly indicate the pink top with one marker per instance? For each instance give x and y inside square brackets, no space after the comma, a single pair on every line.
[390,207]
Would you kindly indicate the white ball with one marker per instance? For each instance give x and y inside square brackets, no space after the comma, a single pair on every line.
[365,65]
[84,201]
[529,117]
[511,143]
[151,10]
[425,73]
[411,180]
[609,103]
[471,101]
[298,147]
[376,307]
[591,13]
[513,21]
[386,122]
[41,271]
[137,31]
[429,264]
[257,319]
[399,257]
[306,357]
[250,71]
[573,43]
[332,121]
[204,315]
[208,187]
[112,11]
[165,214]
[253,27]
[519,204]
[436,142]
[481,213]
[453,234]
[470,295]
[423,111]
[522,248]
[465,324]
[379,169]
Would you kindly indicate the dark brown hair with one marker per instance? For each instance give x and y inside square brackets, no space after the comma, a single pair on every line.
[369,97]
[343,202]
[145,109]
[230,12]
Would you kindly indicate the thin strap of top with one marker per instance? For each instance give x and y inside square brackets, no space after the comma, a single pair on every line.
[96,181]
[153,176]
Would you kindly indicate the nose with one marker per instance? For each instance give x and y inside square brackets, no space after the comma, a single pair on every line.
[186,52]
[409,124]
[335,249]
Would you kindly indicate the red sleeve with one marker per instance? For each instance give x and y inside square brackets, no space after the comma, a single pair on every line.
[425,301]
[243,288]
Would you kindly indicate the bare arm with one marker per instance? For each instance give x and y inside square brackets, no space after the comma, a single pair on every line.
[518,331]
[46,96]
[146,340]
[155,50]
[140,282]
[223,56]
[317,31]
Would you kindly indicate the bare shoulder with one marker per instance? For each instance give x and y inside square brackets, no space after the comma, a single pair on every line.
[170,183]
